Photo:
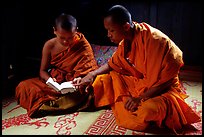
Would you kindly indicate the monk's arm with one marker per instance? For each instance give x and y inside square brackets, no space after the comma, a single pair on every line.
[132,103]
[45,62]
[101,70]
[155,91]
[91,75]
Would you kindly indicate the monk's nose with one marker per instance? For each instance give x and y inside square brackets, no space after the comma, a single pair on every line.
[109,35]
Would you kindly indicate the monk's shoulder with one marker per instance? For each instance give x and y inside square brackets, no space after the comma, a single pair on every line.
[49,44]
[83,42]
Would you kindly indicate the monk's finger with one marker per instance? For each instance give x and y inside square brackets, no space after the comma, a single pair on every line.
[77,87]
[127,104]
[78,83]
[54,79]
[88,88]
[83,83]
[133,109]
[130,105]
[133,106]
[76,80]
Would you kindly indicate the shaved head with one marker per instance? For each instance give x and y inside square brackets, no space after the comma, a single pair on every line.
[119,14]
[66,22]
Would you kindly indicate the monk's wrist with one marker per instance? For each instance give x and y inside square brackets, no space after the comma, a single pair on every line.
[142,99]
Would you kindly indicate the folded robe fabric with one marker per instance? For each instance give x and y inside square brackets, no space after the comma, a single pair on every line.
[35,96]
[153,60]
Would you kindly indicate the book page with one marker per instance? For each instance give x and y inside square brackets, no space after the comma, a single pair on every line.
[67,84]
[53,84]
[67,87]
[64,87]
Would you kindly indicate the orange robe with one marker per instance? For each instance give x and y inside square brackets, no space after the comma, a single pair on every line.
[153,60]
[74,62]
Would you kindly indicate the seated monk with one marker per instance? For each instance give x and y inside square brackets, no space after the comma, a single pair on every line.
[140,81]
[64,58]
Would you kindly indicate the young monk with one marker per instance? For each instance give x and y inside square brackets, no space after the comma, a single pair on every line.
[64,57]
[140,82]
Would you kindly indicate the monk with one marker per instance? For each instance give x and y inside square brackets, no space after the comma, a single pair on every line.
[64,58]
[140,81]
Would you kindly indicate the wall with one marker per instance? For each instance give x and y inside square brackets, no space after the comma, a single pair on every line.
[27,25]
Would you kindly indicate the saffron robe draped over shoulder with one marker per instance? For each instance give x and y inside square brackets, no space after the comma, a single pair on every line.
[33,94]
[153,60]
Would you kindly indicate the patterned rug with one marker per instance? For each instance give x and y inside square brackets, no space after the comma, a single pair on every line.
[15,120]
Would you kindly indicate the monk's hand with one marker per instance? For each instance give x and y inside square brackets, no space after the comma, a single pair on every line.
[132,103]
[54,79]
[76,82]
[89,88]
[85,81]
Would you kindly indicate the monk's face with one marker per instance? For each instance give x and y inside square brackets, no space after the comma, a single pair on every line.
[115,31]
[64,37]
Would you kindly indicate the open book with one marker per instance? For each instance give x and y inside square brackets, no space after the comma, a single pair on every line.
[65,87]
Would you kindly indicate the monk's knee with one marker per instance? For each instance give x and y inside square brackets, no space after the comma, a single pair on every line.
[19,86]
[136,124]
[152,110]
[20,89]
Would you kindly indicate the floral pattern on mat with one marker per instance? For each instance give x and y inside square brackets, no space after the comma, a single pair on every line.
[16,121]
[105,123]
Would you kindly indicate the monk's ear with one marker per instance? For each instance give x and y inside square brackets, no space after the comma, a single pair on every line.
[126,26]
[54,30]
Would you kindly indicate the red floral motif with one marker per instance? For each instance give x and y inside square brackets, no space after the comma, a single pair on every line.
[195,104]
[66,123]
[39,123]
[23,119]
[197,130]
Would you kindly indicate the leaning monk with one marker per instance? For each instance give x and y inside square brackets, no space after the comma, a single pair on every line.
[64,58]
[140,81]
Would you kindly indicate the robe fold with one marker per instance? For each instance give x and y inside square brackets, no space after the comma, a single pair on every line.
[36,97]
[153,60]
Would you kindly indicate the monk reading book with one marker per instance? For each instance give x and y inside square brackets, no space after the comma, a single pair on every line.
[64,57]
[140,82]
